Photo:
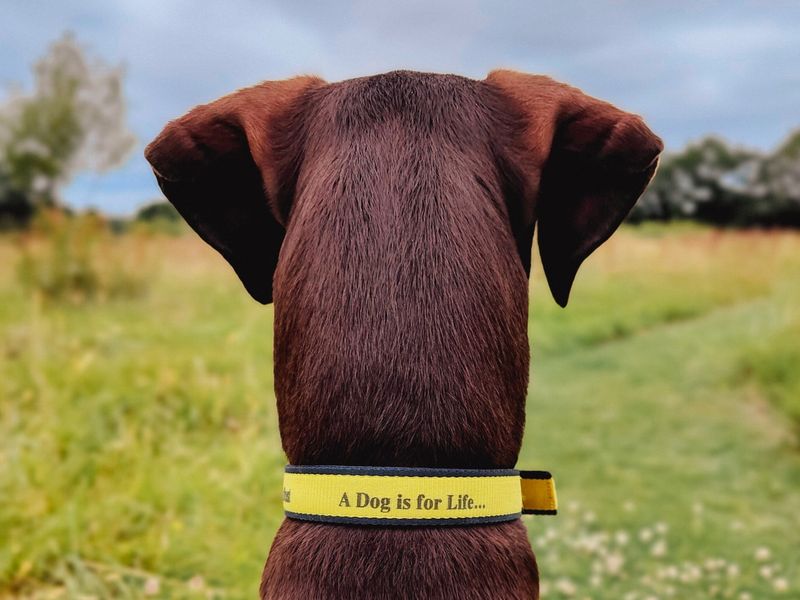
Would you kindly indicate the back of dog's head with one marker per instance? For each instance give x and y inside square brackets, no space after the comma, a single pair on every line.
[391,219]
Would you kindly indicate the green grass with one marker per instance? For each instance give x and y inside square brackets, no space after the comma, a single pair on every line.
[139,454]
[773,362]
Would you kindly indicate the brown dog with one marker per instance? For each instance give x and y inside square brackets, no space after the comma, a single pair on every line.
[391,219]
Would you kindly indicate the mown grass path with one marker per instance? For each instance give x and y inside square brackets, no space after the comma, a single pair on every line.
[652,431]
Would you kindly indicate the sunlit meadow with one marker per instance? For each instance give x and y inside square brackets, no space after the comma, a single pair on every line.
[139,453]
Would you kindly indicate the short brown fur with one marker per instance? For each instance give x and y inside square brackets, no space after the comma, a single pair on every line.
[396,213]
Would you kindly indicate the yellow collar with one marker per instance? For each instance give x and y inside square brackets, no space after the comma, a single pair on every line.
[415,496]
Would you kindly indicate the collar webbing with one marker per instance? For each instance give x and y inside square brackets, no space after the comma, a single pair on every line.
[415,496]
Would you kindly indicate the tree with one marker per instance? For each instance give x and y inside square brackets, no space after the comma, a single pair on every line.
[713,182]
[73,120]
[158,210]
[778,180]
[705,182]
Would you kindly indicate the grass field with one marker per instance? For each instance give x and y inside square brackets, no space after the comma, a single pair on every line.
[139,454]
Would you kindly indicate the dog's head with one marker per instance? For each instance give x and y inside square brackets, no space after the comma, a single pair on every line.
[568,162]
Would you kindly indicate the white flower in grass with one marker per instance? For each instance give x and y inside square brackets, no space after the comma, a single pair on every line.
[589,543]
[614,563]
[733,570]
[691,573]
[662,528]
[669,572]
[197,583]
[589,517]
[714,564]
[781,584]
[762,554]
[766,572]
[152,586]
[595,580]
[646,534]
[659,549]
[544,588]
[566,587]
[629,506]
[745,596]
[621,537]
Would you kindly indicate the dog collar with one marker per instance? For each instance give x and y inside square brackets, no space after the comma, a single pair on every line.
[415,496]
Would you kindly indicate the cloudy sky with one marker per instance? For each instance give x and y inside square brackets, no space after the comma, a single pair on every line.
[690,68]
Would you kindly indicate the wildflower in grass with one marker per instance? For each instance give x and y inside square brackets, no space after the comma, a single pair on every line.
[566,586]
[714,564]
[691,573]
[762,554]
[668,572]
[780,584]
[152,586]
[633,565]
[197,583]
[614,563]
[659,549]
[544,588]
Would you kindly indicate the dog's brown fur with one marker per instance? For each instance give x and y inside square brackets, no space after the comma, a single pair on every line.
[397,215]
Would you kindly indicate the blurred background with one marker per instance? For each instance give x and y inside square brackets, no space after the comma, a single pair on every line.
[139,452]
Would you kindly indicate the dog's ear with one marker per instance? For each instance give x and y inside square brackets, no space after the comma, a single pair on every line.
[224,166]
[584,163]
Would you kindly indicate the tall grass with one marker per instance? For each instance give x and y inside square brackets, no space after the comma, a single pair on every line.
[75,260]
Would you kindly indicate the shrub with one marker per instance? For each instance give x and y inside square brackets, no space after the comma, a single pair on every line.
[75,260]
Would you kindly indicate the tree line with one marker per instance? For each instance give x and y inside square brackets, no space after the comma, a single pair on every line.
[714,182]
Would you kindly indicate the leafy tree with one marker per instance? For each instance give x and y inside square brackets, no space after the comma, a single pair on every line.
[713,182]
[73,120]
[778,181]
[704,182]
[158,210]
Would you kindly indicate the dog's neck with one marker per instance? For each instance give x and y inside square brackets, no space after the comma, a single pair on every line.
[400,301]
